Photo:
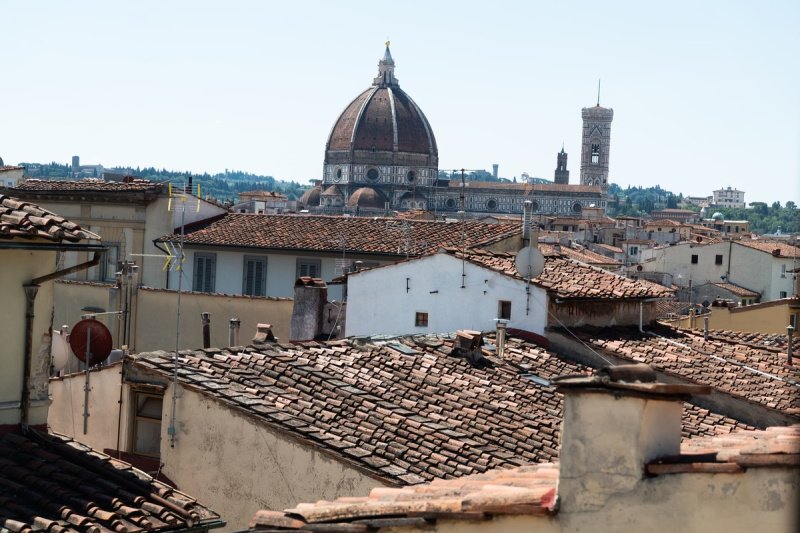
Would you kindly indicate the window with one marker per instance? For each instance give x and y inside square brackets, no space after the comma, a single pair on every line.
[109,263]
[421,319]
[308,267]
[694,259]
[205,272]
[783,271]
[411,176]
[491,204]
[595,153]
[783,294]
[146,434]
[633,250]
[504,310]
[718,259]
[254,278]
[372,174]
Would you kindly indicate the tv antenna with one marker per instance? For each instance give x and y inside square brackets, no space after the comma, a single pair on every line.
[177,255]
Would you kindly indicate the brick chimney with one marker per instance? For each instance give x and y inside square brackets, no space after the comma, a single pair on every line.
[615,422]
[310,297]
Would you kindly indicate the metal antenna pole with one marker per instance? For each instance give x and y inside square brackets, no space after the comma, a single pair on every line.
[171,429]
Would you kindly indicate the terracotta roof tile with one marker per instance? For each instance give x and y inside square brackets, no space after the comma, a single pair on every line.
[21,219]
[568,278]
[88,184]
[756,373]
[384,236]
[583,255]
[51,482]
[402,409]
[737,290]
[776,248]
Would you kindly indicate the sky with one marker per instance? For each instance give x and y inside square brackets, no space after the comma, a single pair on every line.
[706,94]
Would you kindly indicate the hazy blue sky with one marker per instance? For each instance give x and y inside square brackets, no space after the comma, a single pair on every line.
[705,94]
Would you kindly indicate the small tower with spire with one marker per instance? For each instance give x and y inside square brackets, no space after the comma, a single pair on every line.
[385,76]
[561,176]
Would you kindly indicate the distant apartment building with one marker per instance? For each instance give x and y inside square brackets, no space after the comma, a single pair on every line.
[727,197]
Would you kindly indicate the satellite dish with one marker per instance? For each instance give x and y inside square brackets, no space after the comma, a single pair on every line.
[93,334]
[639,268]
[699,239]
[529,262]
[59,350]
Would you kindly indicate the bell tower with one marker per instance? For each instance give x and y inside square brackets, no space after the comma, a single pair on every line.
[596,144]
[562,174]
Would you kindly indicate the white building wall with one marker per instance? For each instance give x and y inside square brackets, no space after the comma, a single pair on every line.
[386,300]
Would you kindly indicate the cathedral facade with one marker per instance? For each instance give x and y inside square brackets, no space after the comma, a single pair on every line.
[382,156]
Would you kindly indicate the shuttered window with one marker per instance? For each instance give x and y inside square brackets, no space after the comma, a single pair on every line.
[254,281]
[308,267]
[205,272]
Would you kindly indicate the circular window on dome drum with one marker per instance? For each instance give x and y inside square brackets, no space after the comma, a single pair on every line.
[576,207]
[372,174]
[338,175]
[534,206]
[450,203]
[492,204]
[411,176]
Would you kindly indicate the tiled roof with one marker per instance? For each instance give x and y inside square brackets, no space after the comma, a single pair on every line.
[584,256]
[567,278]
[384,236]
[775,446]
[4,168]
[776,344]
[403,410]
[614,249]
[757,374]
[51,483]
[19,218]
[87,185]
[737,290]
[776,248]
[528,490]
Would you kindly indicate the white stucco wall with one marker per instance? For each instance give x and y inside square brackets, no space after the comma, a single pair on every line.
[386,300]
[281,270]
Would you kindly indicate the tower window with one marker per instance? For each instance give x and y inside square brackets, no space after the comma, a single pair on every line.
[596,153]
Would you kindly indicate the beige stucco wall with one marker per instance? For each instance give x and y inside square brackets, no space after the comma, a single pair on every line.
[757,318]
[66,411]
[236,465]
[153,326]
[16,268]
[599,313]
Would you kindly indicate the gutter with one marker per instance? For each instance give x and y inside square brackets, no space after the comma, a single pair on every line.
[31,289]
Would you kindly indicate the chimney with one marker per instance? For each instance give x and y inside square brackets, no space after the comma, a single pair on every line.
[233,332]
[501,337]
[705,328]
[206,320]
[264,334]
[310,297]
[527,210]
[467,344]
[614,424]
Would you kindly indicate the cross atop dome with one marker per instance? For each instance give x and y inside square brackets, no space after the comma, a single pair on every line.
[385,76]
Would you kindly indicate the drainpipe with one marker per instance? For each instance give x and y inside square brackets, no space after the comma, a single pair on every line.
[31,289]
[705,328]
[641,316]
[789,334]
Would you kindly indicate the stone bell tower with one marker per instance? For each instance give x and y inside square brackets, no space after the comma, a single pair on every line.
[596,144]
[561,174]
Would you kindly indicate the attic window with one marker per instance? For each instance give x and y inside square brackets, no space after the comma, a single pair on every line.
[146,427]
[504,310]
[421,319]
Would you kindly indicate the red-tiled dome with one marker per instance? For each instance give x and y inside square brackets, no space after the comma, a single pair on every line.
[367,197]
[383,118]
[310,198]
